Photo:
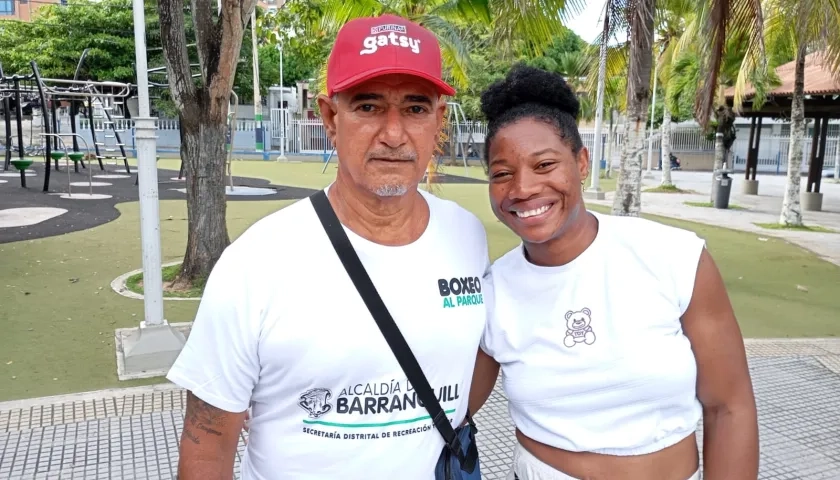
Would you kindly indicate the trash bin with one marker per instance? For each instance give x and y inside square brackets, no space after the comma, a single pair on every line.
[723,187]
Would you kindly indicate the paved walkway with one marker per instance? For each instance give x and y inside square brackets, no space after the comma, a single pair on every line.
[134,433]
[762,208]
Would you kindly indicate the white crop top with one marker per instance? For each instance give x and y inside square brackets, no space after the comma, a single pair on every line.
[592,353]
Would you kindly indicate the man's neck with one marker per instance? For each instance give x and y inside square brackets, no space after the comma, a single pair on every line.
[393,221]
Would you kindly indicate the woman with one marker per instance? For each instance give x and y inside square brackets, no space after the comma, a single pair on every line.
[615,335]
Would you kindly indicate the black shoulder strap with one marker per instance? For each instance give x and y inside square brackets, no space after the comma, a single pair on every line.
[383,318]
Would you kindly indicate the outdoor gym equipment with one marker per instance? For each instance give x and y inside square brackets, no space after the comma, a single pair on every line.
[55,89]
[70,156]
[16,88]
[21,165]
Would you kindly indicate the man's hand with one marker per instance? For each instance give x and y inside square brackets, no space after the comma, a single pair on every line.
[208,442]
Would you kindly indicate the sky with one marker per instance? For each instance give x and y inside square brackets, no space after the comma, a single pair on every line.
[588,23]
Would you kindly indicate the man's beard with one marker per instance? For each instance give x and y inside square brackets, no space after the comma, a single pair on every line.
[392,190]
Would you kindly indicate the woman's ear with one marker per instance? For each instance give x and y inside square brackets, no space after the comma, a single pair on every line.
[583,162]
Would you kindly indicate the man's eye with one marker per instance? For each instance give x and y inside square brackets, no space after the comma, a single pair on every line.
[367,107]
[417,109]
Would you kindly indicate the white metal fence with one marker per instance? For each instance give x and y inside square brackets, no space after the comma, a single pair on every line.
[307,136]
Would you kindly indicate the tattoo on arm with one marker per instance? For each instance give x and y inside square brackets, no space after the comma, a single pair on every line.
[202,416]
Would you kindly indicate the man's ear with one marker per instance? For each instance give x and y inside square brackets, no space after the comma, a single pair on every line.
[441,111]
[329,109]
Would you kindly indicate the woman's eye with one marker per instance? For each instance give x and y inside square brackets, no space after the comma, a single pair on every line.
[544,164]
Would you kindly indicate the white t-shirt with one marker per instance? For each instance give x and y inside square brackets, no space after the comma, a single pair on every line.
[593,354]
[282,328]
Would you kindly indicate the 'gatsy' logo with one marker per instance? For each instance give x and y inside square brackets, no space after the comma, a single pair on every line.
[466,290]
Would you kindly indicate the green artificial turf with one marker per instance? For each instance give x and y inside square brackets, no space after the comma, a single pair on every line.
[59,314]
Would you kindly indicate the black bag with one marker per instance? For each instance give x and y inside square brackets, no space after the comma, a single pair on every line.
[455,462]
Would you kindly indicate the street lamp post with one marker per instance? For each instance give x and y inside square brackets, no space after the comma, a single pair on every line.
[153,347]
[595,191]
[282,119]
[649,173]
[260,140]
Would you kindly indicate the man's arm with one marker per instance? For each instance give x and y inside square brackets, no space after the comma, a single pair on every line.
[730,425]
[208,442]
[484,379]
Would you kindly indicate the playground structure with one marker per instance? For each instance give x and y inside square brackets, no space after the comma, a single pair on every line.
[50,93]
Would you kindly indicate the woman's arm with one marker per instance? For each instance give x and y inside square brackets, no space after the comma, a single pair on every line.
[730,424]
[484,379]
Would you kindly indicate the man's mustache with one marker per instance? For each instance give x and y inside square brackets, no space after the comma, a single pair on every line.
[405,155]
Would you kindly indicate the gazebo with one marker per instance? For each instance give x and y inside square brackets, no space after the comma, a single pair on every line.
[822,103]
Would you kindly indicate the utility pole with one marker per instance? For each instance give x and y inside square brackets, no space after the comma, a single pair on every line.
[151,349]
[595,191]
[649,173]
[282,157]
[257,100]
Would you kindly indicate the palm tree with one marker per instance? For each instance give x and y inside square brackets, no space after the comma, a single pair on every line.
[511,24]
[627,199]
[606,55]
[671,20]
[804,25]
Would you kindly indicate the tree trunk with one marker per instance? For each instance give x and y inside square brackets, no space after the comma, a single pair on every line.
[202,108]
[718,165]
[627,200]
[666,148]
[203,153]
[791,208]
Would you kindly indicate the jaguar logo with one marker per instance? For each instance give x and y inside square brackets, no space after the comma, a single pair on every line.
[316,401]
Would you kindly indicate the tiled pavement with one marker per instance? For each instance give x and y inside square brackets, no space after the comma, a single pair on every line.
[134,433]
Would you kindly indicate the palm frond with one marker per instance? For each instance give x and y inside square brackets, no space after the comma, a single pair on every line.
[339,12]
[467,11]
[535,22]
[722,19]
[454,50]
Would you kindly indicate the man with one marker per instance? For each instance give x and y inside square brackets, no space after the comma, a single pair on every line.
[282,329]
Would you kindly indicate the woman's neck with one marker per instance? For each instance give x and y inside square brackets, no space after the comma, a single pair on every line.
[569,243]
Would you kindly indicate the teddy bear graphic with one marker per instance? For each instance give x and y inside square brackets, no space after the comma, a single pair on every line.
[578,328]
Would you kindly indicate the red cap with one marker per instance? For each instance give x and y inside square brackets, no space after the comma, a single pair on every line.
[372,46]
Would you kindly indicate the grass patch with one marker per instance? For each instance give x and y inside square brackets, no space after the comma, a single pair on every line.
[732,206]
[800,228]
[668,189]
[59,313]
[170,290]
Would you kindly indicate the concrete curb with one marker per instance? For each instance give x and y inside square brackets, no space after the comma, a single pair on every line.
[118,285]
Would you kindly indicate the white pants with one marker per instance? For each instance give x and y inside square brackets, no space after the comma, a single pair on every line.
[529,467]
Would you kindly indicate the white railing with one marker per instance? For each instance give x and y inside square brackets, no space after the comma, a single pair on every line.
[308,136]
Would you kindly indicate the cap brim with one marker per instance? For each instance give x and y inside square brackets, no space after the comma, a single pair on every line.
[442,87]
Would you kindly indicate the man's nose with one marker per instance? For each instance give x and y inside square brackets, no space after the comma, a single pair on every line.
[393,132]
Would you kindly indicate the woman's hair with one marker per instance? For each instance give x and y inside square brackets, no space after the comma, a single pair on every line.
[529,92]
